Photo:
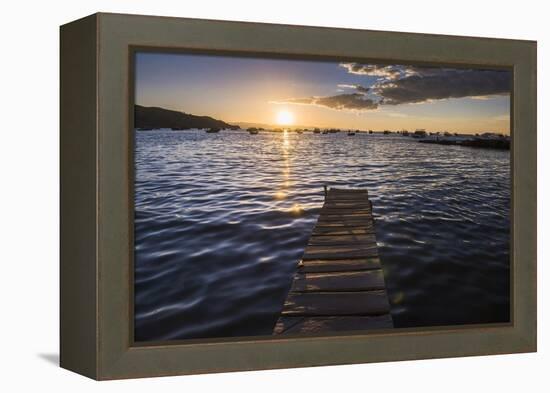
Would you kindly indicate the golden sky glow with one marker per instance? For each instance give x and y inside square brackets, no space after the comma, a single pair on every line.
[293,93]
[285,118]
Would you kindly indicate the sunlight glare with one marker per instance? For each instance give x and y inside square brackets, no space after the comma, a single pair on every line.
[296,209]
[285,118]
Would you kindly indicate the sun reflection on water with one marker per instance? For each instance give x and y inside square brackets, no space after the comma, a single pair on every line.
[285,184]
[280,195]
[296,209]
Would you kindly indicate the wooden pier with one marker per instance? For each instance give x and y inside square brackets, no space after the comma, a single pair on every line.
[339,283]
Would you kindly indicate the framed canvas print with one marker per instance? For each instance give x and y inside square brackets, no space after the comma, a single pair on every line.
[240,196]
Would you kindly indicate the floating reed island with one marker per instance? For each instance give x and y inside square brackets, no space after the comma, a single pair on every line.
[492,141]
[339,282]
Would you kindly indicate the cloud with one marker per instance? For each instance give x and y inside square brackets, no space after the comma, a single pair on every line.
[410,70]
[384,71]
[438,84]
[481,98]
[403,84]
[359,88]
[353,101]
[300,101]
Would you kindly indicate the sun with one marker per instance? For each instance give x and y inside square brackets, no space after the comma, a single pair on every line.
[285,118]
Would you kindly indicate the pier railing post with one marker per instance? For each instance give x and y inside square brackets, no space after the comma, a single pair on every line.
[326,191]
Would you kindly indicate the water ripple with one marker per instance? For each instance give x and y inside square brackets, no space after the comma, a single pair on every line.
[222,219]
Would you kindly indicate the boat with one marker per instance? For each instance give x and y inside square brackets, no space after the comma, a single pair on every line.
[212,130]
[253,130]
[351,133]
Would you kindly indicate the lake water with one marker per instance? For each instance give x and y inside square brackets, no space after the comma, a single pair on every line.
[221,220]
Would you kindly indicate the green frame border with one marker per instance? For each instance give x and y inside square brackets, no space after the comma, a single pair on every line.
[107,315]
[133,50]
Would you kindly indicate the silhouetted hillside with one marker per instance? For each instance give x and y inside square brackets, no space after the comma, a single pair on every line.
[154,117]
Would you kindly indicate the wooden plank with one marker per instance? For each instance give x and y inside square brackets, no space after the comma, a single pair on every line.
[365,214]
[347,191]
[333,210]
[332,230]
[336,252]
[331,240]
[345,224]
[336,303]
[347,255]
[339,198]
[339,204]
[344,212]
[336,189]
[346,199]
[338,265]
[353,214]
[347,195]
[358,193]
[335,243]
[339,281]
[358,219]
[300,325]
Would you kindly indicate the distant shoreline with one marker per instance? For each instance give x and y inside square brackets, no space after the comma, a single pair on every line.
[486,140]
[157,118]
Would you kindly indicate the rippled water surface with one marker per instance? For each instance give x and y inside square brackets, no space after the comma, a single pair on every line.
[221,221]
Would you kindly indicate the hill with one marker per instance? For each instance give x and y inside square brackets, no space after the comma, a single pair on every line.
[155,117]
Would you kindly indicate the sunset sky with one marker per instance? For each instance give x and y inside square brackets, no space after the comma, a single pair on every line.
[326,94]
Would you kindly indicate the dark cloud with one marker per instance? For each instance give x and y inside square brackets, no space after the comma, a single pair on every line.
[353,101]
[347,101]
[398,84]
[437,84]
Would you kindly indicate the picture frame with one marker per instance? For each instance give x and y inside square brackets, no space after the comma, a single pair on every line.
[96,171]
